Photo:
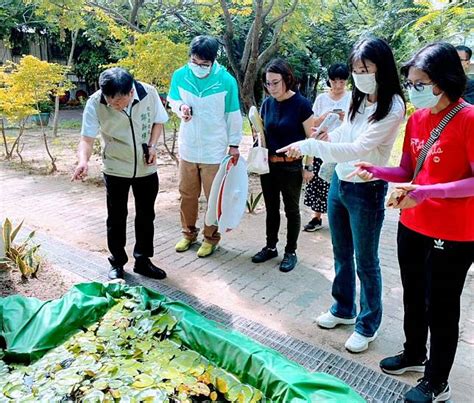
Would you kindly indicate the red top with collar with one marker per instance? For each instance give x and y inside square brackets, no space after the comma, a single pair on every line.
[451,158]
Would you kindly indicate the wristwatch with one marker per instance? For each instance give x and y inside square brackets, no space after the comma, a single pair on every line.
[233,146]
[152,146]
[308,168]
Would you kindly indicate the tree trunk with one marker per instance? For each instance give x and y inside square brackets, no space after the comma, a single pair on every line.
[5,142]
[56,116]
[254,55]
[70,60]
[248,96]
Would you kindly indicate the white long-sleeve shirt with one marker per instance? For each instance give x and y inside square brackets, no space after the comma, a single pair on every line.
[359,140]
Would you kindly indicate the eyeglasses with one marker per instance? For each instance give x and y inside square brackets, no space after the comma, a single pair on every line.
[465,60]
[417,86]
[268,84]
[202,65]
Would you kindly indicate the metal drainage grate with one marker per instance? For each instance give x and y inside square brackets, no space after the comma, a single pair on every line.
[371,385]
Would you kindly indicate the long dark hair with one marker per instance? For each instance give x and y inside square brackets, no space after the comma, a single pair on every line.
[388,84]
[442,64]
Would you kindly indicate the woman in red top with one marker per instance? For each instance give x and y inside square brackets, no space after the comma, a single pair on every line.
[436,229]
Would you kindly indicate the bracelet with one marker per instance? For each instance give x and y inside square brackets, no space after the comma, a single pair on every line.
[308,168]
[233,146]
[152,146]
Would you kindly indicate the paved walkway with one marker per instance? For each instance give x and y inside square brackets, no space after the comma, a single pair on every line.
[287,303]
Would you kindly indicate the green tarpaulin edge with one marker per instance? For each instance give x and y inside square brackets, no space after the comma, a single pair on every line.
[30,327]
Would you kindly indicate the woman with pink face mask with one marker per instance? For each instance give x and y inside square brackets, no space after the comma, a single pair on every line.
[355,207]
[436,230]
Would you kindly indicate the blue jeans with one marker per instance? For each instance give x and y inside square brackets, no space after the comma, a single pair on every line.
[356,213]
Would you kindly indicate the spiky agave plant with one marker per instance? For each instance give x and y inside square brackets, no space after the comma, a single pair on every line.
[23,256]
[253,201]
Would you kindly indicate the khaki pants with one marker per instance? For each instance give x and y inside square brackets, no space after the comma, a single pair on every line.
[191,177]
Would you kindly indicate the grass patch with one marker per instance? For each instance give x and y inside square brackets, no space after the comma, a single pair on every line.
[70,124]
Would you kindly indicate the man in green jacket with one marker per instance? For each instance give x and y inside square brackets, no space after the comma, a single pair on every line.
[129,116]
[206,98]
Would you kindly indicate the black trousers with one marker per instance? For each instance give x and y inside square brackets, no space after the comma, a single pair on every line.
[433,273]
[145,190]
[284,179]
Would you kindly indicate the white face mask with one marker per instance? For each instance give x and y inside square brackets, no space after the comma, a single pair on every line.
[198,71]
[424,98]
[365,82]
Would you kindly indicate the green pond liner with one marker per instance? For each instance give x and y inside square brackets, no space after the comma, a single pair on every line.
[30,328]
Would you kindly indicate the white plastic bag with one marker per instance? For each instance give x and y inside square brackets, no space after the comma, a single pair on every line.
[257,160]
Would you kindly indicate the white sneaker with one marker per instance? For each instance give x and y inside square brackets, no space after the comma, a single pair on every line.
[328,320]
[358,343]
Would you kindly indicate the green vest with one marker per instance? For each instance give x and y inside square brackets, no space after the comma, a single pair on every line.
[123,135]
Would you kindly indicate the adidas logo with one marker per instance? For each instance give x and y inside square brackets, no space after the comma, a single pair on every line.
[439,244]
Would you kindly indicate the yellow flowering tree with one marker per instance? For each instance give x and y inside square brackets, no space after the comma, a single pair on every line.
[15,107]
[24,86]
[152,58]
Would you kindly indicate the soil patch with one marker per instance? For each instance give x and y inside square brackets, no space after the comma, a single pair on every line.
[52,283]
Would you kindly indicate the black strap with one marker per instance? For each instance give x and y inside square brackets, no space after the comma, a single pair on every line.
[434,135]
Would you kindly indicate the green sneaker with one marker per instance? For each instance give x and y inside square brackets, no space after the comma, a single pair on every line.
[184,245]
[206,249]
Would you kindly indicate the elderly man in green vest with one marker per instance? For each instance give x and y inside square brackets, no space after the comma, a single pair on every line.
[129,116]
[205,96]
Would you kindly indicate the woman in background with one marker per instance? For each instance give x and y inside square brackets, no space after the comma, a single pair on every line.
[336,100]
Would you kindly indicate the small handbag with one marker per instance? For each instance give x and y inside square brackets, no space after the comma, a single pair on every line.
[257,160]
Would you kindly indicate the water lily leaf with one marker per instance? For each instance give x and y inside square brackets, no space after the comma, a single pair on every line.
[14,391]
[233,393]
[222,384]
[89,347]
[68,380]
[130,333]
[245,394]
[170,373]
[144,345]
[185,360]
[164,323]
[257,396]
[152,395]
[201,389]
[106,331]
[100,384]
[94,396]
[115,383]
[3,369]
[198,370]
[144,325]
[143,381]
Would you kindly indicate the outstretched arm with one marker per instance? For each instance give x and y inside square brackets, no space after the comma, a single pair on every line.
[400,174]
